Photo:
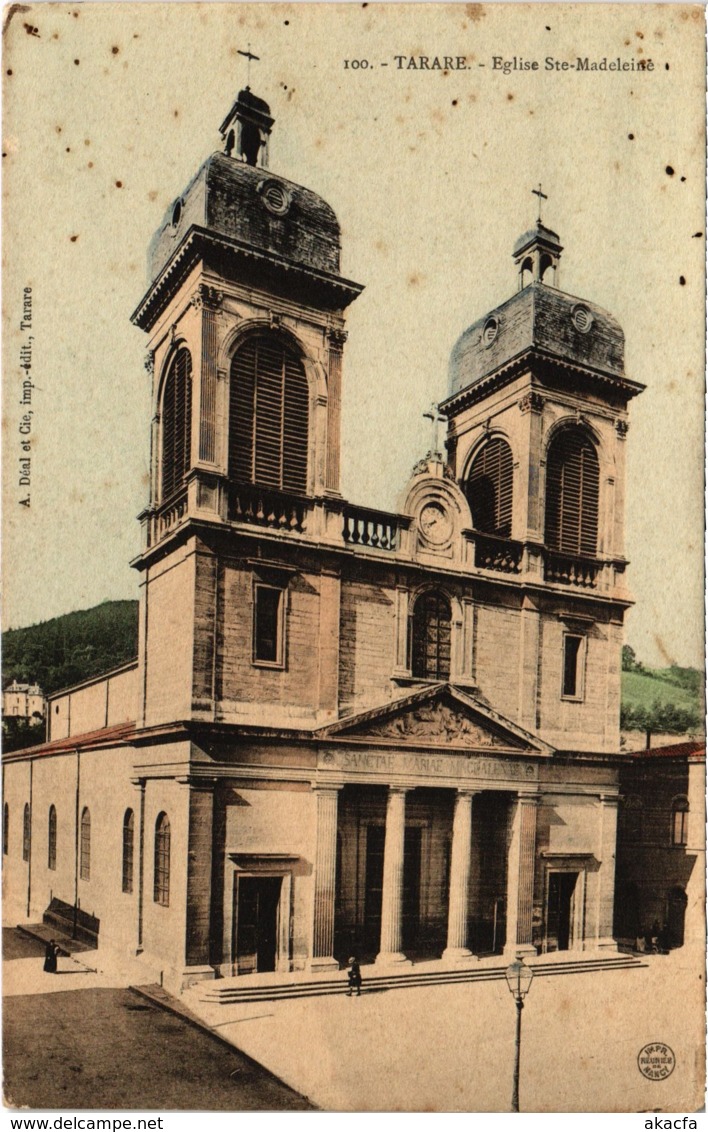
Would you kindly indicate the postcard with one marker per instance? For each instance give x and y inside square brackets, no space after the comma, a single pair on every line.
[353,431]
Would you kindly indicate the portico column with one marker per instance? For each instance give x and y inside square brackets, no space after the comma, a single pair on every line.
[459,878]
[520,876]
[392,896]
[325,880]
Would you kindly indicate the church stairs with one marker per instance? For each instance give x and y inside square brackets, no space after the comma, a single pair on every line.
[227,992]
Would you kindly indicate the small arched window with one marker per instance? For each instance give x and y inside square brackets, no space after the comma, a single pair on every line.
[679,820]
[572,494]
[268,415]
[128,839]
[489,488]
[85,845]
[162,861]
[26,832]
[52,838]
[176,423]
[431,630]
[5,829]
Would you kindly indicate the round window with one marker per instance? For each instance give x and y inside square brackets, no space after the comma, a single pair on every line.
[582,319]
[275,197]
[176,213]
[490,331]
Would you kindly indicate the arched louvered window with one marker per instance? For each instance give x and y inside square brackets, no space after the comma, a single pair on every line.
[85,845]
[269,415]
[26,832]
[52,838]
[572,494]
[431,625]
[489,488]
[128,840]
[176,423]
[162,861]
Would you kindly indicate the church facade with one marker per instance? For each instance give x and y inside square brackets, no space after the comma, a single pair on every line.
[347,731]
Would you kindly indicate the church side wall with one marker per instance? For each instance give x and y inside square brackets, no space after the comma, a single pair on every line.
[56,780]
[103,702]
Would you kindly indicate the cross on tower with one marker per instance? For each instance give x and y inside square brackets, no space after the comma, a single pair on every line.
[435,418]
[249,55]
[541,197]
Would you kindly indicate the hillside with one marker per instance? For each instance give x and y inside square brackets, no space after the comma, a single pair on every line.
[663,699]
[71,648]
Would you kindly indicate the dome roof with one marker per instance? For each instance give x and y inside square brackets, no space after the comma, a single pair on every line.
[541,234]
[543,318]
[257,208]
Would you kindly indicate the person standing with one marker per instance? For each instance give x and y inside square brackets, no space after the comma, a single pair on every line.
[354,976]
[51,954]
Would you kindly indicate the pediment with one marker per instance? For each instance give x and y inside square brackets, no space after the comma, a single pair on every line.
[443,716]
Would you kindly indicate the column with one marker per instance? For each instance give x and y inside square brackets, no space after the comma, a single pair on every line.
[322,956]
[520,876]
[459,878]
[392,896]
[606,876]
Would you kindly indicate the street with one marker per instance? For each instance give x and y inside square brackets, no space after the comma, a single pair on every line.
[77,1046]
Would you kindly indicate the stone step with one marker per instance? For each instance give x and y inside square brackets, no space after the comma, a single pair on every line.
[226,992]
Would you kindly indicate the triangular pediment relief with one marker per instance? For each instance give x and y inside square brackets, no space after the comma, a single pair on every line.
[442,716]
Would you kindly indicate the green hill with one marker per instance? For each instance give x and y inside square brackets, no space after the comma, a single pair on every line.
[71,648]
[663,699]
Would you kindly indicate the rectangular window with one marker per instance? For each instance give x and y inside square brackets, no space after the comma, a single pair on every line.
[268,605]
[573,657]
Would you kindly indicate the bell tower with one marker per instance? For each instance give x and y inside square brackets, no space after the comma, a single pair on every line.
[537,426]
[244,314]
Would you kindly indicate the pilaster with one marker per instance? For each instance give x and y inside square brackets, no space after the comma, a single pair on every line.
[322,955]
[520,875]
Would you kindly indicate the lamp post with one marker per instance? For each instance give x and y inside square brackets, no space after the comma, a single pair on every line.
[518,980]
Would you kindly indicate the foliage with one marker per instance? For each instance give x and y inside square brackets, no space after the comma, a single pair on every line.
[20,733]
[72,648]
[629,660]
[660,718]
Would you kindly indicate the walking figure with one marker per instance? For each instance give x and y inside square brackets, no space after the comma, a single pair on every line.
[50,957]
[354,976]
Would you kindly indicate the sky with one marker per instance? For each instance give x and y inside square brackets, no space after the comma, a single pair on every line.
[109,109]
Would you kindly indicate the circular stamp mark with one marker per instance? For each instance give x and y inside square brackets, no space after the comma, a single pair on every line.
[656,1061]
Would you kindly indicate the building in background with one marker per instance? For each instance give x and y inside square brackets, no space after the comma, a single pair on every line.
[23,701]
[347,730]
[661,845]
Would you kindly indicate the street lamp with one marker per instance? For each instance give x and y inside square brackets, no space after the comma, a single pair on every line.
[518,980]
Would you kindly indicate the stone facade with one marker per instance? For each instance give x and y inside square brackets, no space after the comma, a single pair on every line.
[347,731]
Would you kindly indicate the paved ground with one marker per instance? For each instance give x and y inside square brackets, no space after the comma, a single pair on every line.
[82,1040]
[74,1043]
[451,1048]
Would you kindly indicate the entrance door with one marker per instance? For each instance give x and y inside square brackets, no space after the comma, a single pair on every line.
[561,910]
[256,932]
